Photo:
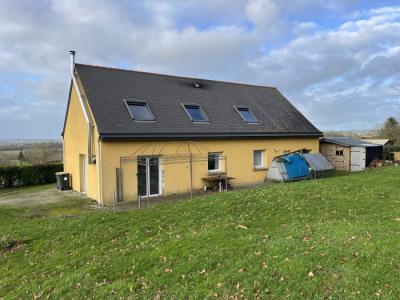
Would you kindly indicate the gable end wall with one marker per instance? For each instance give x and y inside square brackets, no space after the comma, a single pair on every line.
[76,143]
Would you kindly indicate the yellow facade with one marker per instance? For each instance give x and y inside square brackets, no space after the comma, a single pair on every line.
[101,177]
[76,144]
[175,178]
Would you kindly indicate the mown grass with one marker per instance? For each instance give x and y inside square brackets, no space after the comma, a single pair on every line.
[335,238]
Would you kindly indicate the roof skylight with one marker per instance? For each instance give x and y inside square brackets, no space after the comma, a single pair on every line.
[195,113]
[140,111]
[246,114]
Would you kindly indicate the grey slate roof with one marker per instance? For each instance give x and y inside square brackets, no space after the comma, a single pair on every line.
[348,141]
[106,89]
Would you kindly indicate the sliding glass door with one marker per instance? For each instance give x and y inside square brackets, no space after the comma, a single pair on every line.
[148,176]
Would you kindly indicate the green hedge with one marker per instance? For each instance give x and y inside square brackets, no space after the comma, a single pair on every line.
[15,176]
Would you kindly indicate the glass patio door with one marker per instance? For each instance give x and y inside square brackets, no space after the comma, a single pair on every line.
[148,176]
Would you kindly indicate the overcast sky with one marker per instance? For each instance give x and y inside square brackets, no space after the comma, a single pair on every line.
[335,60]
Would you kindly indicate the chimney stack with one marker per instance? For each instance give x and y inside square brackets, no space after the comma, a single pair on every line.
[72,57]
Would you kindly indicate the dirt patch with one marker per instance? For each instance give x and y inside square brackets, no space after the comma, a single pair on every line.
[47,196]
[43,201]
[9,245]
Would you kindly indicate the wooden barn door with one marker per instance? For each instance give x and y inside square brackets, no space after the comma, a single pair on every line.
[357,159]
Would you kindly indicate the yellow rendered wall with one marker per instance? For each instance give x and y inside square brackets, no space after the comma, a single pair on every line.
[76,143]
[176,177]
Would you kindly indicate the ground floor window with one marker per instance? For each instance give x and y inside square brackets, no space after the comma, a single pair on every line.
[214,161]
[258,159]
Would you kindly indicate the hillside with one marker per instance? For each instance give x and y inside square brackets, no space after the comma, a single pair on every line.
[332,238]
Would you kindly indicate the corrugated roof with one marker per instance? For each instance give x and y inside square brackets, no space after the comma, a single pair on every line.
[106,89]
[347,141]
[377,141]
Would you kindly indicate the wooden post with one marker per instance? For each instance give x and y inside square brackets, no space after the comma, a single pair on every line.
[117,184]
[191,175]
[121,195]
[226,174]
[114,200]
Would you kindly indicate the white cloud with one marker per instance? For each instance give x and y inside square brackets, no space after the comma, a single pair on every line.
[207,53]
[263,13]
[340,76]
[304,27]
[352,64]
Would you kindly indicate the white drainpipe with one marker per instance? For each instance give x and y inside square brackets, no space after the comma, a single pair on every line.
[85,113]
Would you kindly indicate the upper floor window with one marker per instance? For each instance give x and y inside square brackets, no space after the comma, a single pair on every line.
[195,113]
[246,114]
[140,111]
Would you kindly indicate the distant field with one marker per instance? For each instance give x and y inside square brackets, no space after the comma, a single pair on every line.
[32,153]
[9,157]
[336,238]
[10,154]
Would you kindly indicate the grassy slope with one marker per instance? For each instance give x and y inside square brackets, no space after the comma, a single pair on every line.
[334,237]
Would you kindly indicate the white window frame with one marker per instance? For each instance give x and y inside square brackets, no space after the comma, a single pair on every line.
[160,176]
[262,166]
[217,154]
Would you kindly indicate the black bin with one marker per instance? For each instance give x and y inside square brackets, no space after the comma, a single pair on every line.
[63,181]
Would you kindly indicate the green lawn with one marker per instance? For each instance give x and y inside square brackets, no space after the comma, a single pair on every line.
[332,238]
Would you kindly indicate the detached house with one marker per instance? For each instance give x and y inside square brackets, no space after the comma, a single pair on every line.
[129,133]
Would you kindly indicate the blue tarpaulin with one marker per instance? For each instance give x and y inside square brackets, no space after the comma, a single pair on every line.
[296,166]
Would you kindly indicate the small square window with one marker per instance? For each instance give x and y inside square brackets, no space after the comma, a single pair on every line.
[140,111]
[258,159]
[195,113]
[214,162]
[339,152]
[246,114]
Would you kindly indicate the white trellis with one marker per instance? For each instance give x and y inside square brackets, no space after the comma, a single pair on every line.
[192,153]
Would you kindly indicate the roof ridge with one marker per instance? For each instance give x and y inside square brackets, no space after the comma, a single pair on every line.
[177,76]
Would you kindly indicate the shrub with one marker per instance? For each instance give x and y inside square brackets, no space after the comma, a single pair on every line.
[16,176]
